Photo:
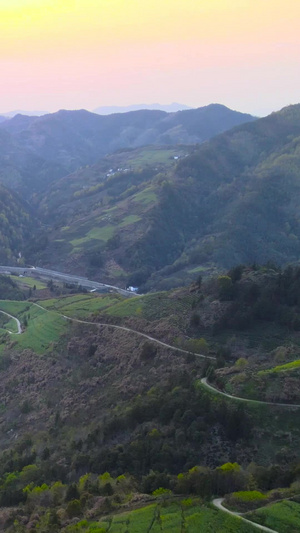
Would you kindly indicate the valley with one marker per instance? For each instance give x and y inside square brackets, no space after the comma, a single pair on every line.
[159,216]
[149,266]
[149,322]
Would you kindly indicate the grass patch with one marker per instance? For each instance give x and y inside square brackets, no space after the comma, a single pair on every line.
[43,327]
[281,368]
[8,324]
[130,219]
[197,269]
[152,306]
[153,156]
[80,305]
[11,325]
[129,307]
[145,197]
[100,234]
[117,272]
[15,308]
[283,516]
[172,518]
[28,282]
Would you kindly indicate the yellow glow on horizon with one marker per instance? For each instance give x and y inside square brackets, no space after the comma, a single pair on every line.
[100,21]
[135,41]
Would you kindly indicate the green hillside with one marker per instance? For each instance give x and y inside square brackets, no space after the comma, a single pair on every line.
[97,213]
[103,429]
[285,516]
[16,226]
[41,328]
[39,150]
[169,518]
[144,218]
[145,413]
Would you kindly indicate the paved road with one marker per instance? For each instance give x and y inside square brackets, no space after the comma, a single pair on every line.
[127,329]
[217,502]
[67,278]
[238,398]
[17,321]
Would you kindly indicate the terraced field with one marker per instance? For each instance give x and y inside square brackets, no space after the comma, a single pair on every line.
[154,156]
[102,234]
[167,518]
[80,305]
[152,306]
[41,328]
[8,324]
[43,322]
[145,197]
[283,516]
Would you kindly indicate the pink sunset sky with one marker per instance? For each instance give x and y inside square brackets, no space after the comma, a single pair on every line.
[89,53]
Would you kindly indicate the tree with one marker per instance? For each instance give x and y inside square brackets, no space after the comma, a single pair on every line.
[197,346]
[96,260]
[148,351]
[73,508]
[50,285]
[199,281]
[72,492]
[226,289]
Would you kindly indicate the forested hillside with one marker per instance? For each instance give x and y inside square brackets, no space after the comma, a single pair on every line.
[43,149]
[16,226]
[156,217]
[96,419]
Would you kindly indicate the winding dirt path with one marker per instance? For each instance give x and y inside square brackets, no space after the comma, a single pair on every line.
[161,343]
[99,324]
[17,321]
[238,398]
[217,502]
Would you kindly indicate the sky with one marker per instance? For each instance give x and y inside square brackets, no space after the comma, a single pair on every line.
[76,54]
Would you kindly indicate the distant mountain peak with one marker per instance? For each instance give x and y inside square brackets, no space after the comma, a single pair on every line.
[11,114]
[169,108]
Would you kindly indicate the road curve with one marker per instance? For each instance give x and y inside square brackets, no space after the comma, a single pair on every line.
[217,502]
[127,329]
[18,323]
[239,399]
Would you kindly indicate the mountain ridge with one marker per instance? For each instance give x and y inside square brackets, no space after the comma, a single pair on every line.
[169,108]
[61,142]
[230,200]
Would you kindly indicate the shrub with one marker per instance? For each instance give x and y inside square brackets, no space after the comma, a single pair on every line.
[249,495]
[246,500]
[148,351]
[73,508]
[226,288]
[161,492]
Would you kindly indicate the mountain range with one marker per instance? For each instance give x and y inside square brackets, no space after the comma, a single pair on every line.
[42,149]
[169,108]
[157,215]
[105,110]
[154,411]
